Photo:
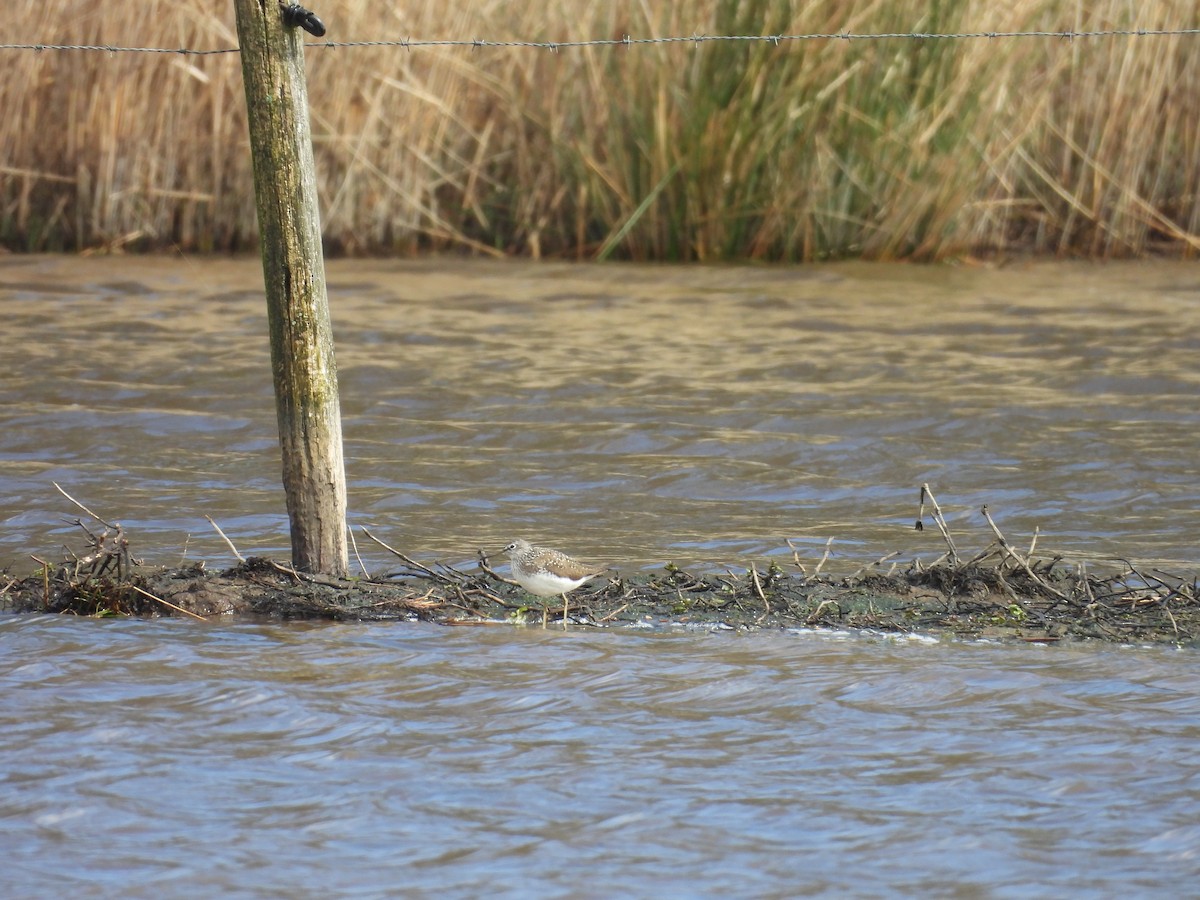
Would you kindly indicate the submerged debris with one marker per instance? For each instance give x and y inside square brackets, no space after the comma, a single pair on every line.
[998,593]
[974,599]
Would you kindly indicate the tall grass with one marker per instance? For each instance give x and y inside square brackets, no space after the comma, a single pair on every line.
[715,150]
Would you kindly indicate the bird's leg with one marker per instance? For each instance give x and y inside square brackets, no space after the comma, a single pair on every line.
[564,596]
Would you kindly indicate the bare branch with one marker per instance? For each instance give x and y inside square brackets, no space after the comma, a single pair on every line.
[167,604]
[81,506]
[239,556]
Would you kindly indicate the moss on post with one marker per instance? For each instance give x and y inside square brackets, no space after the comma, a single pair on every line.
[302,358]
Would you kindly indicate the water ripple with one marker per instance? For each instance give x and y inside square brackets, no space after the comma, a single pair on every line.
[642,414]
[348,758]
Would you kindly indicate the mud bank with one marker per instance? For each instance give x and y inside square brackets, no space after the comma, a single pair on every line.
[1012,599]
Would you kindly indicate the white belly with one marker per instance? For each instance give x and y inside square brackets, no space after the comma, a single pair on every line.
[543,584]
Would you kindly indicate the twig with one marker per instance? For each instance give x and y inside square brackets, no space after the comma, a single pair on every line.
[45,580]
[825,556]
[1151,580]
[289,570]
[165,603]
[929,565]
[1007,588]
[989,550]
[422,602]
[354,544]
[796,557]
[81,506]
[879,562]
[457,573]
[1174,624]
[239,556]
[487,570]
[612,615]
[820,606]
[493,598]
[1019,561]
[417,568]
[759,590]
[1181,588]
[469,610]
[938,520]
[1086,582]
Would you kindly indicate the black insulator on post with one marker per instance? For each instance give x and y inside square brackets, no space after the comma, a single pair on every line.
[296,16]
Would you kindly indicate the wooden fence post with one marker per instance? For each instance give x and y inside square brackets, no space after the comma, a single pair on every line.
[285,184]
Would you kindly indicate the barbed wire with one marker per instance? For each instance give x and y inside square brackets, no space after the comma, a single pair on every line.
[627,41]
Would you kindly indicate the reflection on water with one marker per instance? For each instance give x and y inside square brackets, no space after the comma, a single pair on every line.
[161,759]
[633,414]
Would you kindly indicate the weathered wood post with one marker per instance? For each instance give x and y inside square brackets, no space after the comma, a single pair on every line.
[285,184]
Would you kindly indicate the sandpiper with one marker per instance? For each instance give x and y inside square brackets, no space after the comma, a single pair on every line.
[545,573]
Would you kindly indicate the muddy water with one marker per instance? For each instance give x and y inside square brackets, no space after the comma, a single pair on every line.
[635,415]
[169,759]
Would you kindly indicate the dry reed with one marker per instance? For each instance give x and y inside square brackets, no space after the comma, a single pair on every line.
[722,150]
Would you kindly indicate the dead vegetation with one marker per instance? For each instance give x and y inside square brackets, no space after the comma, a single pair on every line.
[1000,592]
[770,150]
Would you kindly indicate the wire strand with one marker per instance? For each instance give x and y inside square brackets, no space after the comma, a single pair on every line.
[627,41]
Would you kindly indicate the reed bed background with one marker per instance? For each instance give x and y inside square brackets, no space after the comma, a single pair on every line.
[721,150]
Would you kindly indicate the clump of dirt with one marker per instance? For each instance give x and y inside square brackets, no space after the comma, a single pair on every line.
[997,595]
